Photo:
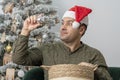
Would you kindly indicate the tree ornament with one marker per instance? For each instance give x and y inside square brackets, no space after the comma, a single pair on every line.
[42,19]
[8,48]
[3,37]
[28,13]
[38,39]
[8,7]
[2,78]
[13,26]
[45,36]
[23,2]
[10,73]
[21,73]
[57,20]
[7,58]
[30,1]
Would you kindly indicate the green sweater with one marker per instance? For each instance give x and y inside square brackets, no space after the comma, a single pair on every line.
[58,53]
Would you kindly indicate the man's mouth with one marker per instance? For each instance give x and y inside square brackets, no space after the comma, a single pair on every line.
[63,32]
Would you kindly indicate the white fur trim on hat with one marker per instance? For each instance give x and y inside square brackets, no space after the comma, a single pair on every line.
[69,14]
[75,24]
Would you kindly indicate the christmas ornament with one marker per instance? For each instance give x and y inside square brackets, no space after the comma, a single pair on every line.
[7,58]
[3,37]
[57,20]
[8,7]
[14,27]
[10,74]
[8,48]
[42,19]
[2,78]
[21,73]
[23,2]
[30,2]
[45,36]
[39,40]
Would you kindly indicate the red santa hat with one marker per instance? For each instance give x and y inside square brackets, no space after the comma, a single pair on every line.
[79,13]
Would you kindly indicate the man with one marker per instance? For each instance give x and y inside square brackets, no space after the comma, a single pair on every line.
[70,51]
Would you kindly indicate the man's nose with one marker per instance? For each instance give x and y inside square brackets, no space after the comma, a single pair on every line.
[64,25]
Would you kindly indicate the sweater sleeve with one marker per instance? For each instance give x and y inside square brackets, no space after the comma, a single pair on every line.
[24,56]
[102,71]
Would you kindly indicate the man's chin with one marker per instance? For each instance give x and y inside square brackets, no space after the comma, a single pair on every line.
[64,40]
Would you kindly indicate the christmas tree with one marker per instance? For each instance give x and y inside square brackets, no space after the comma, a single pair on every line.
[11,21]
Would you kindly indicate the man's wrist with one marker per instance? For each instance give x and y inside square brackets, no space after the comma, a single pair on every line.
[25,32]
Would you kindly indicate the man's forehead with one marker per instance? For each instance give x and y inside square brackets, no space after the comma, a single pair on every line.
[67,19]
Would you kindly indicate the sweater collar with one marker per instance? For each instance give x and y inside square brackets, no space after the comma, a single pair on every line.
[68,50]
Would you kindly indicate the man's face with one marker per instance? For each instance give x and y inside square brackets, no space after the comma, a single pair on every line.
[67,32]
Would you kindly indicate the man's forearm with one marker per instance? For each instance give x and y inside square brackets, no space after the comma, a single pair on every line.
[19,50]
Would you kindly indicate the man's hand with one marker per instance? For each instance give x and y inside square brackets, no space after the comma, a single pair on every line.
[30,24]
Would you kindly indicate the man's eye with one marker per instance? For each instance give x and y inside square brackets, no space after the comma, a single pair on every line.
[70,24]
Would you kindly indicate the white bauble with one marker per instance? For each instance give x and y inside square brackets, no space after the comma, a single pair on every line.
[44,35]
[21,73]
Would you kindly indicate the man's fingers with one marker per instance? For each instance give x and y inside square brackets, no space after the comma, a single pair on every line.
[34,18]
[28,20]
[32,23]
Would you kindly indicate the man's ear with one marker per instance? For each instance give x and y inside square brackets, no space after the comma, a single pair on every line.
[82,29]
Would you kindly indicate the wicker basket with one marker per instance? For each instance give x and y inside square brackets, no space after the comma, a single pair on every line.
[70,72]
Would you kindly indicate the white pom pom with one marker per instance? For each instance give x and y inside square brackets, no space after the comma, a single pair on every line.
[75,24]
[21,73]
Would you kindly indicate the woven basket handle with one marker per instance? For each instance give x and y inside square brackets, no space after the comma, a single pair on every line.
[45,67]
[94,67]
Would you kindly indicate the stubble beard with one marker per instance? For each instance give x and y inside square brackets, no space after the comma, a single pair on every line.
[66,39]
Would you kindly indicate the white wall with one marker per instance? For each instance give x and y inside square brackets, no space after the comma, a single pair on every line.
[103,30]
